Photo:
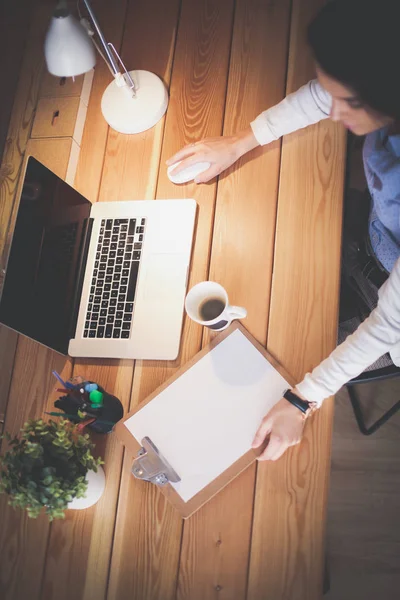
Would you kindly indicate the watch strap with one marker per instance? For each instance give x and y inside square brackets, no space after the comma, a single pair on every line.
[302,405]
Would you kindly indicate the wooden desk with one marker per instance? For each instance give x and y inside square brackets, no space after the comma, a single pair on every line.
[269,231]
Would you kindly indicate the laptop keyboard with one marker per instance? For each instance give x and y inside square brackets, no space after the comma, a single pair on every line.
[110,307]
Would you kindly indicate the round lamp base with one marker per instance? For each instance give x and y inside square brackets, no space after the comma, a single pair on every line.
[133,114]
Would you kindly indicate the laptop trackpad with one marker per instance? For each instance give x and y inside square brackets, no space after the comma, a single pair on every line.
[160,303]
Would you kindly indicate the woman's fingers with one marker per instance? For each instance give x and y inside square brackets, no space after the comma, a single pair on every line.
[276,447]
[181,154]
[285,425]
[220,152]
[262,432]
[192,159]
[207,175]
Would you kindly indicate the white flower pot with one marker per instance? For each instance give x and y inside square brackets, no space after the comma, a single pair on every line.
[96,485]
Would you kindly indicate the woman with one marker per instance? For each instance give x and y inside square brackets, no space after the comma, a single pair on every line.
[356,49]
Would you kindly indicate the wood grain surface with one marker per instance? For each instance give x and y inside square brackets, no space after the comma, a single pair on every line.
[60,87]
[287,560]
[8,346]
[115,376]
[15,18]
[55,117]
[268,230]
[241,260]
[145,561]
[82,572]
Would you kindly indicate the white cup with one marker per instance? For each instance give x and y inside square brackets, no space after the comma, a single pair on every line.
[207,303]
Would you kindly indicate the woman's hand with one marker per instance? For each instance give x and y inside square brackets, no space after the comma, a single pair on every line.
[285,424]
[220,152]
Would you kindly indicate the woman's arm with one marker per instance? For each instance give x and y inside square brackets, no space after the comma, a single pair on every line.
[378,334]
[373,338]
[308,105]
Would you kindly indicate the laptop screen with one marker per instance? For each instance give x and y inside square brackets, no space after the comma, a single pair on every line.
[43,267]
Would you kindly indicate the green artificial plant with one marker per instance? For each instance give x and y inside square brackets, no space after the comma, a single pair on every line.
[46,467]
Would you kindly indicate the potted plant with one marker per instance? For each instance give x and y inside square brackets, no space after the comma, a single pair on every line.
[51,465]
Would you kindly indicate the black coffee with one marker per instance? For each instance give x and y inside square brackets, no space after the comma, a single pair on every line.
[211,309]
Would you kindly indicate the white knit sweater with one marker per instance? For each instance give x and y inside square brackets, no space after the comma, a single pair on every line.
[380,332]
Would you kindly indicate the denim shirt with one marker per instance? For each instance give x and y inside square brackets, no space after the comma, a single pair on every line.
[381,156]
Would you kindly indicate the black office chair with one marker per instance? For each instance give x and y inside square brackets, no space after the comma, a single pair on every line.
[366,377]
[382,369]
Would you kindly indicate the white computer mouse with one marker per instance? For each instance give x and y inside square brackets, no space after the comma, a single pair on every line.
[187,174]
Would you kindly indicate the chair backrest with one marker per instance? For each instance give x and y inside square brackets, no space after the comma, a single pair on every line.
[376,374]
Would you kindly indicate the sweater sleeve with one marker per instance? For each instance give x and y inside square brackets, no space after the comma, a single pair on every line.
[373,338]
[310,104]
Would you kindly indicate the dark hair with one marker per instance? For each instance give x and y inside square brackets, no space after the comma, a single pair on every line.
[357,42]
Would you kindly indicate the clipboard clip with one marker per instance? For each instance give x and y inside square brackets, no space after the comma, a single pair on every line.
[150,465]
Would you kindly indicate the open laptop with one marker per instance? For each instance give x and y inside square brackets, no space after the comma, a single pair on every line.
[106,280]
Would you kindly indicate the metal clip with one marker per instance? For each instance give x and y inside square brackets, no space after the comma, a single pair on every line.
[151,466]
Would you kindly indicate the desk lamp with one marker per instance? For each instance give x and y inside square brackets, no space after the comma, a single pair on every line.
[134,101]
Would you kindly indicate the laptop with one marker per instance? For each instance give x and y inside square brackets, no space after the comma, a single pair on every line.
[106,280]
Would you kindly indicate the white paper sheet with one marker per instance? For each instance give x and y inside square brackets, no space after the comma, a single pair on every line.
[206,420]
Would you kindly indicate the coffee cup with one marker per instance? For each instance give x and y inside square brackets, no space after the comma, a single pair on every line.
[207,304]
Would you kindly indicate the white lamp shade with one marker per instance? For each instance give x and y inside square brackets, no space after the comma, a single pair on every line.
[68,48]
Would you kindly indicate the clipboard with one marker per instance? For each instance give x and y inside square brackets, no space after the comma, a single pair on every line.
[160,459]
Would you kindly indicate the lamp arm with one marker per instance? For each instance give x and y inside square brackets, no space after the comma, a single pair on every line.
[126,79]
[110,57]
